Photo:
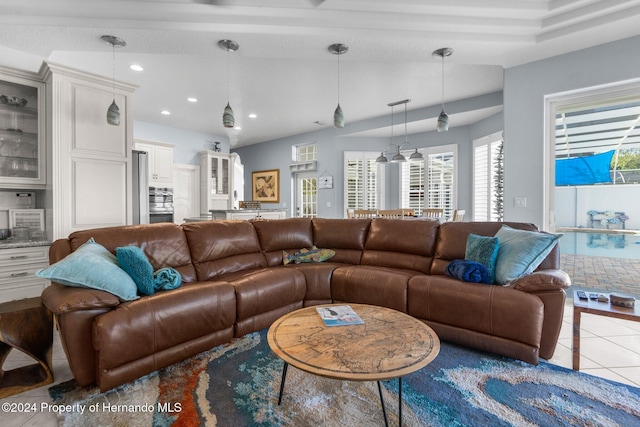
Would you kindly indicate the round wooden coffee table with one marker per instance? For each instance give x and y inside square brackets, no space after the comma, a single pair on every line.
[389,344]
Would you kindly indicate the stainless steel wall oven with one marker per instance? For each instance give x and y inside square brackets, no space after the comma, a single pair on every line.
[160,204]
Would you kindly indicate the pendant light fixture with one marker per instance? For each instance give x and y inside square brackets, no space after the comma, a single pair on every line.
[443,119]
[338,115]
[228,120]
[398,157]
[113,112]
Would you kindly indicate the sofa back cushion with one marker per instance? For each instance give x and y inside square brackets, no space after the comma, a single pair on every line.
[401,243]
[452,241]
[220,247]
[278,235]
[345,237]
[164,244]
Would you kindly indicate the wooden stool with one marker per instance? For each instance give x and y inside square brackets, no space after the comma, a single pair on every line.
[26,325]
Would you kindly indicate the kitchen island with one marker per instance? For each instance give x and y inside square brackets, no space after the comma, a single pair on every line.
[241,214]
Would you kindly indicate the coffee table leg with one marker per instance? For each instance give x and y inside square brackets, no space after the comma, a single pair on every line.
[400,401]
[384,411]
[284,375]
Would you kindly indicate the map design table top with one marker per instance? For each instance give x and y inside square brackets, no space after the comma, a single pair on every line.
[389,344]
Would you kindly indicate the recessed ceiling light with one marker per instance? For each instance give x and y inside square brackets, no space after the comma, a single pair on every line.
[192,99]
[165,112]
[136,67]
[237,128]
[253,115]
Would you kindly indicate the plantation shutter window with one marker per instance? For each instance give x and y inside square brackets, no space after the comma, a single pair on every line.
[362,178]
[430,183]
[486,197]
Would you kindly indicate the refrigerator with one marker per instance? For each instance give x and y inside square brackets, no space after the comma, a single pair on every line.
[140,190]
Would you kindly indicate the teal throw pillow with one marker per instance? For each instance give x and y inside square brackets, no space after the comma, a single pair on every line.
[92,266]
[521,252]
[133,260]
[308,255]
[483,249]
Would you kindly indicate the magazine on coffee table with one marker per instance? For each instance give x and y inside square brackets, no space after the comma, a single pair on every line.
[339,315]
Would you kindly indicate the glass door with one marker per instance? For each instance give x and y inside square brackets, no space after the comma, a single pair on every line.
[306,195]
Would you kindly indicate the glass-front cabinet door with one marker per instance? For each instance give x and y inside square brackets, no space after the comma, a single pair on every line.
[215,192]
[21,131]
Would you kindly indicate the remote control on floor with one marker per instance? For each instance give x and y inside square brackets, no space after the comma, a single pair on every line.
[582,295]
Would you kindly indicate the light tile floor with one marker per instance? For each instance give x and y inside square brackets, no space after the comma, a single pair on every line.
[609,348]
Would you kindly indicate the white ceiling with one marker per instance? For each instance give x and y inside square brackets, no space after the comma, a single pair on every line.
[283,71]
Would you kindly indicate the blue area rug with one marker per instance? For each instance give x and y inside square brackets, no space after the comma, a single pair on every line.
[237,385]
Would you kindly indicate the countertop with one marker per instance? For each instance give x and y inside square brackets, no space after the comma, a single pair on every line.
[10,243]
[246,210]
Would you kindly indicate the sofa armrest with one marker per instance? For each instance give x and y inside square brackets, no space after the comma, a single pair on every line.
[65,299]
[543,280]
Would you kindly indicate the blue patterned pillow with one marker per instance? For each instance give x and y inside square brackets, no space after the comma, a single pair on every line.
[483,249]
[92,266]
[133,260]
[521,252]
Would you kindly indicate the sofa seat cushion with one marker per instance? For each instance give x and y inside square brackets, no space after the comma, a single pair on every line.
[318,280]
[266,291]
[138,329]
[365,284]
[493,310]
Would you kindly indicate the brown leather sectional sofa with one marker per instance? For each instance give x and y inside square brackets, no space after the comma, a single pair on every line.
[234,283]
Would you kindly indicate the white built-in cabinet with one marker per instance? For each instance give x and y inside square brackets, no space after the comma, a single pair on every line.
[17,272]
[22,130]
[90,160]
[216,181]
[160,157]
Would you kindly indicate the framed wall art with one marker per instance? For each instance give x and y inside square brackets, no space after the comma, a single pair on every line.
[266,186]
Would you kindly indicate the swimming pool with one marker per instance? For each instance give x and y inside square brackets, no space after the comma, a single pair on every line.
[612,245]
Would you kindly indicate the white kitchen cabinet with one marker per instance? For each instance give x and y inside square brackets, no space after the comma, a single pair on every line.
[90,160]
[160,157]
[22,130]
[17,272]
[216,181]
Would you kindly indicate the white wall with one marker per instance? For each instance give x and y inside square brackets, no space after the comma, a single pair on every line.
[573,203]
[187,143]
[525,87]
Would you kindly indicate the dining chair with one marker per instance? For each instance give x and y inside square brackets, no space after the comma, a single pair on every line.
[364,213]
[432,213]
[391,213]
[458,215]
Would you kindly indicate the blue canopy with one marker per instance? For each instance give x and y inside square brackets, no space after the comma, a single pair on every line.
[584,170]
